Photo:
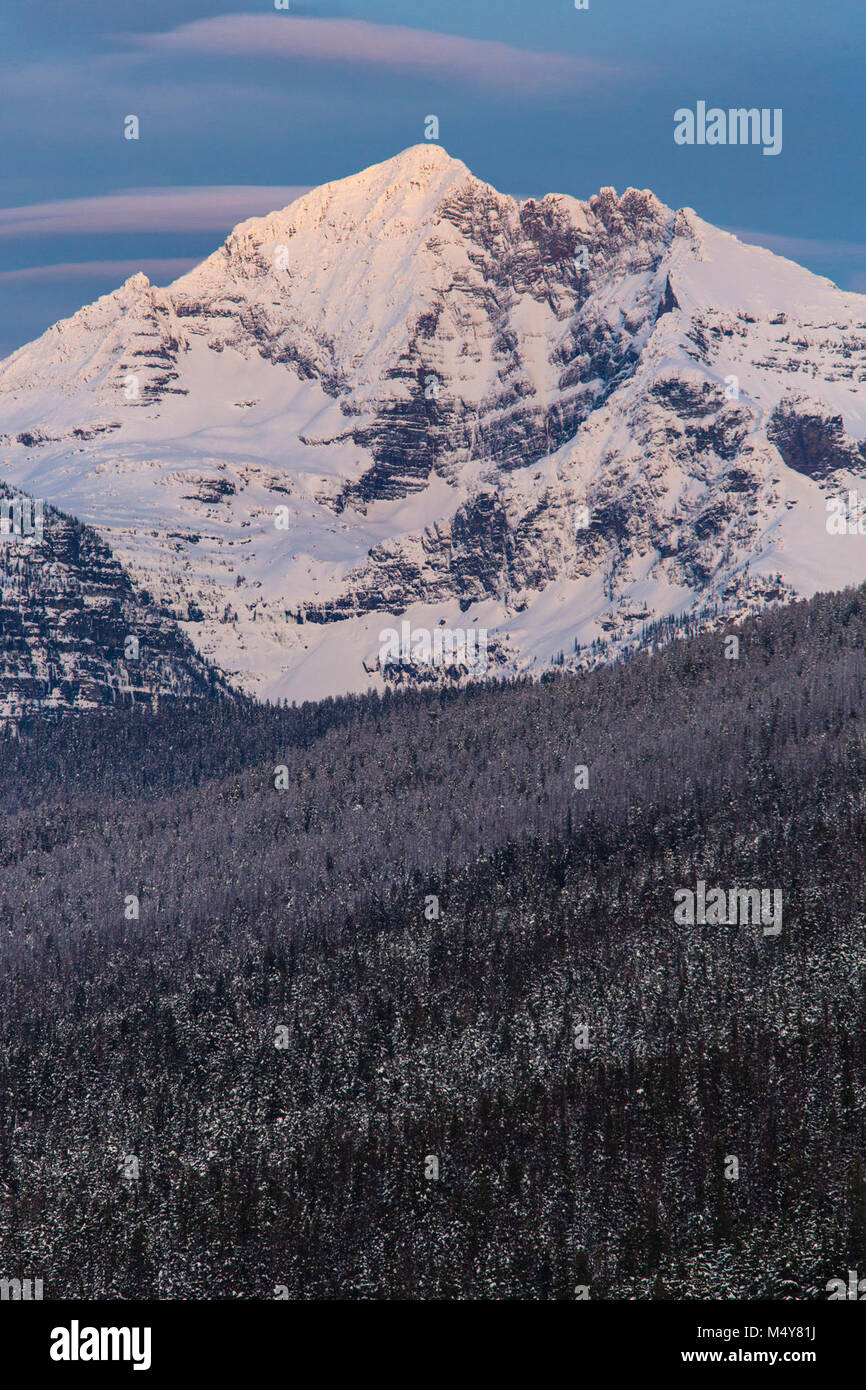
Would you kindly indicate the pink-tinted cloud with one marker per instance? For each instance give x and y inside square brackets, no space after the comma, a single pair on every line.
[803,248]
[417,52]
[205,209]
[156,268]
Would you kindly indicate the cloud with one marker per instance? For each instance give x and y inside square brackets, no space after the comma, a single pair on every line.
[803,248]
[204,209]
[156,268]
[415,52]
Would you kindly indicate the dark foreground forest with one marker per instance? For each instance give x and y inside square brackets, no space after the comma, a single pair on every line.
[240,1092]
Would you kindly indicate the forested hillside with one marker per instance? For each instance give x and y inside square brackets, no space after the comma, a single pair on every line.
[372,933]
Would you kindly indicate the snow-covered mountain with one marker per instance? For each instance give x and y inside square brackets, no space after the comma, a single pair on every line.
[393,400]
[76,634]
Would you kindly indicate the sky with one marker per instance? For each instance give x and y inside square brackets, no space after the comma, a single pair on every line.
[241,108]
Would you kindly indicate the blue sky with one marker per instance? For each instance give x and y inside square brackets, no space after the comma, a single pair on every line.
[240,107]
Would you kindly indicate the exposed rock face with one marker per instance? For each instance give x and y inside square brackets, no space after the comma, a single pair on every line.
[408,393]
[74,634]
[812,441]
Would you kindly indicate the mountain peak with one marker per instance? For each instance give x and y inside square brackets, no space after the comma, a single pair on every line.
[427,166]
[426,158]
[424,378]
[384,201]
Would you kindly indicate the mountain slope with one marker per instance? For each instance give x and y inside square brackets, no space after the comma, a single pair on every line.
[431,379]
[75,634]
